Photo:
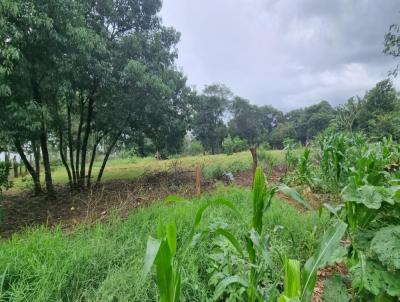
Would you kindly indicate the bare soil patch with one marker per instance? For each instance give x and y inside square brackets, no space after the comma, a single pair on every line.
[74,207]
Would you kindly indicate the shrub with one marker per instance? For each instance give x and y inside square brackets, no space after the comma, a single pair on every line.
[232,145]
[4,174]
[192,147]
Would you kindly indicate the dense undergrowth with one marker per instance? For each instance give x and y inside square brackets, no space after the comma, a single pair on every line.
[105,262]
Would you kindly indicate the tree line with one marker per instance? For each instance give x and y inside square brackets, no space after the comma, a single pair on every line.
[88,77]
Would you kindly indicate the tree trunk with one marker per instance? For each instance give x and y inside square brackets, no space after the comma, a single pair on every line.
[15,167]
[107,155]
[253,151]
[89,117]
[78,142]
[63,158]
[28,166]
[93,157]
[36,155]
[70,146]
[46,163]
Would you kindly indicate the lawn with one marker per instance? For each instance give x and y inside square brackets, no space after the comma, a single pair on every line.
[104,262]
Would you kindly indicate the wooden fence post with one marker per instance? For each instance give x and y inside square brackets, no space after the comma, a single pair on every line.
[253,150]
[198,179]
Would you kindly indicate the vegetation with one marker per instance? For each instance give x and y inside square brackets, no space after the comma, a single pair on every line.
[105,261]
[90,92]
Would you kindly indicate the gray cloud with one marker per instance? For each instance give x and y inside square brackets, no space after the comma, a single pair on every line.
[282,52]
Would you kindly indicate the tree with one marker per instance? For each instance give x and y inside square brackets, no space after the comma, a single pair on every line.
[280,133]
[347,114]
[378,102]
[247,121]
[208,123]
[94,72]
[308,122]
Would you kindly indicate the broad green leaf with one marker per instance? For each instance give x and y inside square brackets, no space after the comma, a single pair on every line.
[329,243]
[153,246]
[171,237]
[366,195]
[292,193]
[292,285]
[226,282]
[373,277]
[386,245]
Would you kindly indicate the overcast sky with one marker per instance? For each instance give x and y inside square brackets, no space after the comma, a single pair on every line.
[285,53]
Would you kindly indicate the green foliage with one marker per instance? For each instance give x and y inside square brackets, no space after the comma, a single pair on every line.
[335,290]
[192,147]
[232,145]
[324,255]
[5,168]
[280,133]
[161,252]
[208,125]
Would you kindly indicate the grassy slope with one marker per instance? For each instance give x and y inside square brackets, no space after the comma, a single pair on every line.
[131,168]
[104,262]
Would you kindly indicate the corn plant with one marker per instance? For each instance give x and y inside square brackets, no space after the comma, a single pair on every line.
[255,251]
[161,251]
[299,283]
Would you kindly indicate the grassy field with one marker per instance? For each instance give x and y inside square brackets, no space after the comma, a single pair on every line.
[104,262]
[134,167]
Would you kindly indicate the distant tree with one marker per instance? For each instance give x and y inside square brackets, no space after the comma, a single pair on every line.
[392,44]
[308,122]
[246,122]
[378,102]
[208,122]
[347,114]
[281,133]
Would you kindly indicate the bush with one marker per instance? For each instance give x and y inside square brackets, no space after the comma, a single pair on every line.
[232,145]
[192,147]
[4,174]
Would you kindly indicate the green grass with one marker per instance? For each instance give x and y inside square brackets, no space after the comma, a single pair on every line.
[104,262]
[133,168]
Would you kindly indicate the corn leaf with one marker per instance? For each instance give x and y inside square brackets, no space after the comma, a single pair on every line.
[292,193]
[153,246]
[329,244]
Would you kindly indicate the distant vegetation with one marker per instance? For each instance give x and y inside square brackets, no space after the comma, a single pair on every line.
[82,79]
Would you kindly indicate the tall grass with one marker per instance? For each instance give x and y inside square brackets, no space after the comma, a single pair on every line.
[104,262]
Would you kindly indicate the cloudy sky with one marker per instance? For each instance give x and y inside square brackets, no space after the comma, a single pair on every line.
[286,53]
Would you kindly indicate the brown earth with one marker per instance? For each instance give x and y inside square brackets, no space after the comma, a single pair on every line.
[120,197]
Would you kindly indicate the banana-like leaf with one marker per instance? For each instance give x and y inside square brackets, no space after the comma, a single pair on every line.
[292,193]
[329,244]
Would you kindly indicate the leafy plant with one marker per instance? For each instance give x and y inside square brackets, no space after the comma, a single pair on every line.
[255,254]
[235,144]
[161,251]
[4,174]
[328,252]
